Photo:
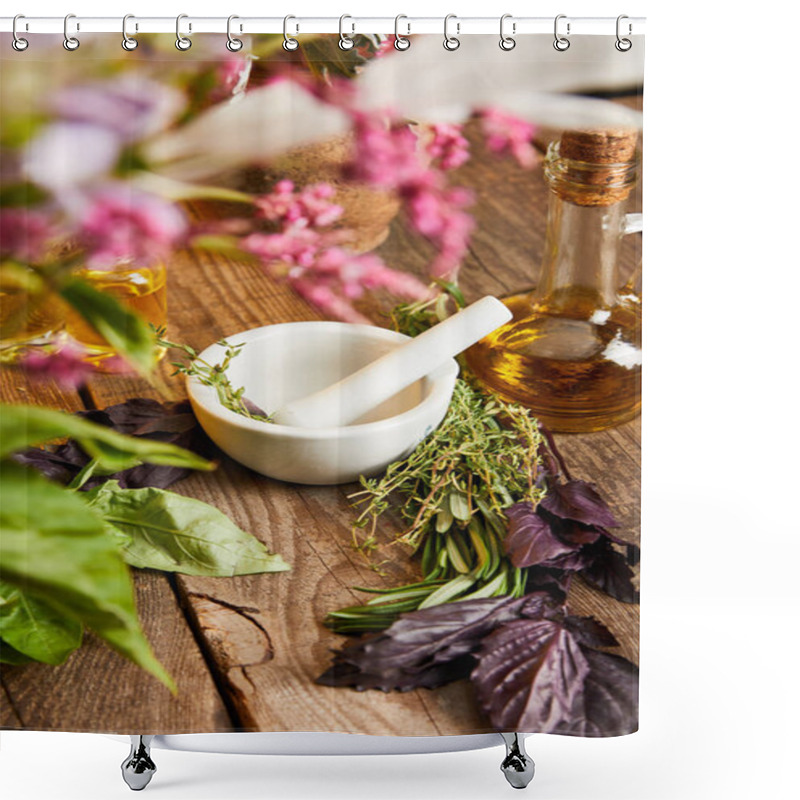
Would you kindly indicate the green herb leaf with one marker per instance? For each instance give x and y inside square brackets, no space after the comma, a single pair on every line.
[8,655]
[459,506]
[22,426]
[126,332]
[35,629]
[180,534]
[56,549]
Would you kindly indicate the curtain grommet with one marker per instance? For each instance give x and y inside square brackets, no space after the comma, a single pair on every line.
[17,42]
[507,42]
[70,43]
[561,43]
[289,44]
[182,43]
[401,42]
[451,43]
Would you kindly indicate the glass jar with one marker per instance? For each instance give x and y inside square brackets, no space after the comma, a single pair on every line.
[29,316]
[143,290]
[572,352]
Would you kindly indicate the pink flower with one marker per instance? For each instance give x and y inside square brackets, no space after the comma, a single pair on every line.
[309,255]
[309,207]
[386,155]
[65,366]
[439,214]
[296,246]
[123,224]
[448,146]
[387,158]
[24,233]
[507,133]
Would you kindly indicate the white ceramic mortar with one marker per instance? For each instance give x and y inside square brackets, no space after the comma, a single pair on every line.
[286,362]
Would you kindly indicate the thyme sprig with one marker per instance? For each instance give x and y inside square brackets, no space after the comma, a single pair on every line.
[214,375]
[451,492]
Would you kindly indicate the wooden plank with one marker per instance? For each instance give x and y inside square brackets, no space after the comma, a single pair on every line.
[97,690]
[42,697]
[263,634]
[610,459]
[9,718]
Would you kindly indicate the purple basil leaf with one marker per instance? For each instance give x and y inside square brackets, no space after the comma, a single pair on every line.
[430,647]
[610,571]
[548,579]
[173,423]
[530,540]
[578,501]
[590,632]
[610,698]
[530,676]
[253,408]
[574,532]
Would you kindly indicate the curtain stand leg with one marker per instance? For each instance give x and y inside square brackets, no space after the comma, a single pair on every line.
[138,768]
[517,766]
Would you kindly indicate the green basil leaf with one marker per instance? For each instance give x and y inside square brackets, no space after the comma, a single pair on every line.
[55,548]
[8,655]
[126,332]
[22,426]
[36,629]
[180,534]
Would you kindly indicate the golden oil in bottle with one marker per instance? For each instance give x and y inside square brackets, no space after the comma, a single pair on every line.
[572,352]
[143,290]
[577,374]
[27,319]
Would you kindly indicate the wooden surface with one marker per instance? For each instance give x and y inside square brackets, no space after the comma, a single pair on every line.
[246,651]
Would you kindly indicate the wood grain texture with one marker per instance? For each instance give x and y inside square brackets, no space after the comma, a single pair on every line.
[262,635]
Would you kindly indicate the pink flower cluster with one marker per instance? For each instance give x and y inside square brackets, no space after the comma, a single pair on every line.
[310,207]
[309,255]
[121,224]
[387,157]
[24,234]
[506,133]
[64,365]
[448,147]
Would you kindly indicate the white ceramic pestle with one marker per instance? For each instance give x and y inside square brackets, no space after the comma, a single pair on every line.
[350,398]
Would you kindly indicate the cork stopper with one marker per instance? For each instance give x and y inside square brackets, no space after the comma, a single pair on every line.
[616,146]
[593,167]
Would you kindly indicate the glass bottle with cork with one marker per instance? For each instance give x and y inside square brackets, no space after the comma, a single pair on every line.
[572,352]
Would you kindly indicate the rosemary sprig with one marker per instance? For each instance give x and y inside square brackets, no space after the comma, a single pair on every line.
[214,375]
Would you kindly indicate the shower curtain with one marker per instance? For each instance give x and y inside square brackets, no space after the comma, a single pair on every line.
[160,200]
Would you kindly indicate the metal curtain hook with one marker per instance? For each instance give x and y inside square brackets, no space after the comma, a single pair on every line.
[400,42]
[561,43]
[182,42]
[234,45]
[70,42]
[451,42]
[507,42]
[623,45]
[128,43]
[289,44]
[345,42]
[18,43]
